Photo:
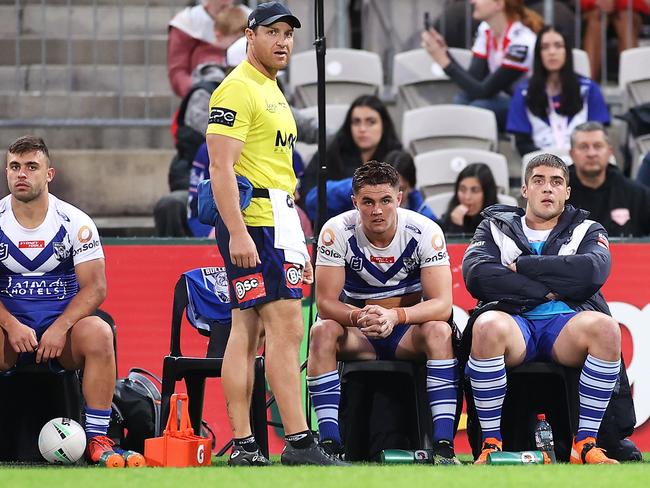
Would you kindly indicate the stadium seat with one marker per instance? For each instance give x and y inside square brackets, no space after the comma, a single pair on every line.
[437,170]
[348,74]
[421,82]
[634,76]
[334,118]
[581,64]
[449,126]
[533,388]
[195,370]
[360,443]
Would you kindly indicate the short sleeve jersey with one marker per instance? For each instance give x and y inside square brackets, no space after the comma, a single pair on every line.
[515,50]
[250,107]
[522,121]
[37,275]
[373,272]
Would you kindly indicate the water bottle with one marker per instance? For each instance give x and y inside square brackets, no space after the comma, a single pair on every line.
[544,437]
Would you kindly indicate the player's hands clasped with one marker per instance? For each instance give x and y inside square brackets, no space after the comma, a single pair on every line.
[22,338]
[375,321]
[243,252]
[52,344]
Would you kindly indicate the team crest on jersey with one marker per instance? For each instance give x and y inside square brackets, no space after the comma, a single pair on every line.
[356,263]
[4,251]
[215,279]
[61,251]
[410,264]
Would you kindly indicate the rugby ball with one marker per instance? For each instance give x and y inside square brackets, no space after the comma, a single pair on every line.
[62,441]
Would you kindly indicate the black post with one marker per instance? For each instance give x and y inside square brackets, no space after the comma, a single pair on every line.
[321,211]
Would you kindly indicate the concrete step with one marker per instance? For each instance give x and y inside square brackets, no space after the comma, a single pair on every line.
[110,182]
[128,79]
[121,226]
[32,50]
[86,105]
[94,137]
[58,21]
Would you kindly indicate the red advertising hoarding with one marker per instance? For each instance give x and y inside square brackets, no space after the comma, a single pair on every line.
[141,279]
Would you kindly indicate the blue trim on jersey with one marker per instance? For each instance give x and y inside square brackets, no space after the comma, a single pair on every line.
[373,270]
[355,284]
[41,258]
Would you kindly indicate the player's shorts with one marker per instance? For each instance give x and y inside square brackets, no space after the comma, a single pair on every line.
[385,347]
[29,358]
[540,334]
[273,279]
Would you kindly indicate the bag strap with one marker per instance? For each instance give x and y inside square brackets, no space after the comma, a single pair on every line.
[146,373]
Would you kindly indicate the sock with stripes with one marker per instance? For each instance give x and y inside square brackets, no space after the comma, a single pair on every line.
[597,381]
[488,379]
[325,392]
[97,422]
[442,391]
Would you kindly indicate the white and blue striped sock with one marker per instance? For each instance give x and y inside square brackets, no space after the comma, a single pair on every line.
[442,393]
[597,381]
[488,378]
[325,392]
[97,422]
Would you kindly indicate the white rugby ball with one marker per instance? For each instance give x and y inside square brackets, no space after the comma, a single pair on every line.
[62,441]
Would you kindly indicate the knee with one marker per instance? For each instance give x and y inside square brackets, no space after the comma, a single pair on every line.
[95,338]
[436,333]
[324,336]
[489,327]
[606,331]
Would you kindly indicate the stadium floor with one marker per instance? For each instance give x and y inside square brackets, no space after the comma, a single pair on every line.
[359,476]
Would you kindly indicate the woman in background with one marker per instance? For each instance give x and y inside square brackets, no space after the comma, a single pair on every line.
[475,190]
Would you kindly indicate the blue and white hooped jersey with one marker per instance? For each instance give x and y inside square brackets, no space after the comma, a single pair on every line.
[373,272]
[37,275]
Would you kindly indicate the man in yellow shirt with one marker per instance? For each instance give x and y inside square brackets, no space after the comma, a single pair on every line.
[251,134]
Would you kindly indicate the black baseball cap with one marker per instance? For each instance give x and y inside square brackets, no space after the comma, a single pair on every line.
[271,12]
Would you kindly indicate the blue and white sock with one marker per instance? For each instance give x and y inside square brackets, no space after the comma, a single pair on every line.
[488,378]
[442,393]
[325,392]
[597,381]
[97,422]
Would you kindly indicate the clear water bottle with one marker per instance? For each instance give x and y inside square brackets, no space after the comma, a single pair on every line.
[544,437]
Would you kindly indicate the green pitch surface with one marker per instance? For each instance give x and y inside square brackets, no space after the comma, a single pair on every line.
[358,476]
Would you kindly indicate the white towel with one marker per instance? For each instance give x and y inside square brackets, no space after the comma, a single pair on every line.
[288,231]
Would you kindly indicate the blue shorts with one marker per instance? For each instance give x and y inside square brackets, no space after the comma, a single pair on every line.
[540,334]
[29,358]
[273,279]
[385,348]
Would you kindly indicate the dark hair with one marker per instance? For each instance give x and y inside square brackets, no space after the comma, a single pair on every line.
[482,173]
[402,161]
[344,144]
[374,173]
[536,98]
[546,159]
[27,144]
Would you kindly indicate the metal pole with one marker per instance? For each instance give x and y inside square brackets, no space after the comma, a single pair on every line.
[578,26]
[342,23]
[630,24]
[549,12]
[468,25]
[603,48]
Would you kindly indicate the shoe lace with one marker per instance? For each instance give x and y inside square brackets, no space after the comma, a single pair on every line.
[597,453]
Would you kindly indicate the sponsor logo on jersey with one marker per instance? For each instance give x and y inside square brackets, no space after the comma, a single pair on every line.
[222,116]
[327,237]
[284,140]
[249,287]
[31,244]
[329,252]
[476,244]
[4,251]
[293,274]
[61,251]
[413,228]
[84,234]
[603,241]
[85,247]
[356,263]
[382,259]
[439,256]
[517,53]
[25,287]
[438,242]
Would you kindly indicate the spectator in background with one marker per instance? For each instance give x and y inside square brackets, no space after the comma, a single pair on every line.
[339,193]
[643,176]
[367,133]
[192,41]
[545,109]
[616,11]
[475,190]
[619,204]
[503,52]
